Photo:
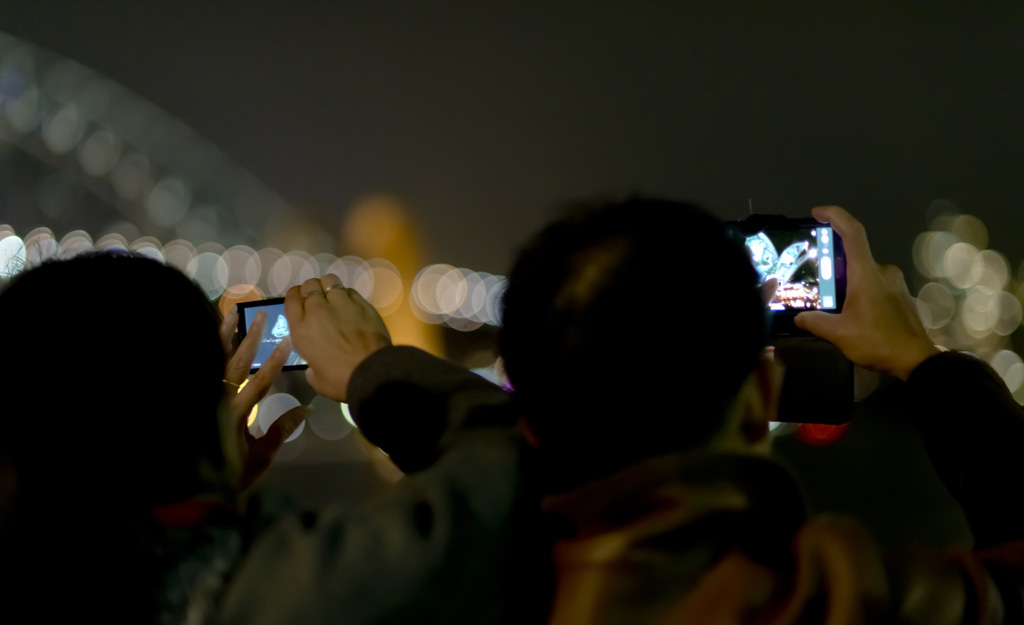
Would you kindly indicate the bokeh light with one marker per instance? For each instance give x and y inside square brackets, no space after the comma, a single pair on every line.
[12,256]
[971,301]
[962,264]
[111,241]
[328,420]
[179,253]
[271,409]
[210,272]
[460,298]
[936,305]
[1010,368]
[384,285]
[289,270]
[237,294]
[930,250]
[63,130]
[970,229]
[74,243]
[40,246]
[168,202]
[98,154]
[350,270]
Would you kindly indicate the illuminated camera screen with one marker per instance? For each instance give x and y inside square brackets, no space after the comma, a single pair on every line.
[274,331]
[803,262]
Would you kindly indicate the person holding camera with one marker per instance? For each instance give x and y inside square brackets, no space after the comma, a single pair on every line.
[651,425]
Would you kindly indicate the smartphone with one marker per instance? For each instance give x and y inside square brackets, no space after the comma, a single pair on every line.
[274,331]
[806,259]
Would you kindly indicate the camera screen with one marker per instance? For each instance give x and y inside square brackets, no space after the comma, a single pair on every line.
[803,261]
[274,331]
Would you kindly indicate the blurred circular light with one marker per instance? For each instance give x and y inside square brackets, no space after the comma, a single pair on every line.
[268,258]
[210,272]
[1010,314]
[995,270]
[168,202]
[350,270]
[99,153]
[273,407]
[963,265]
[238,293]
[290,270]
[40,246]
[327,420]
[63,130]
[939,304]
[929,250]
[211,247]
[152,252]
[970,229]
[386,281]
[74,243]
[451,291]
[980,312]
[496,286]
[462,325]
[1010,368]
[323,262]
[12,256]
[149,247]
[179,253]
[425,288]
[24,112]
[112,241]
[476,297]
[243,265]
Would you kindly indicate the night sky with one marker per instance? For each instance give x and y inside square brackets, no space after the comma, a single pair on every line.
[486,116]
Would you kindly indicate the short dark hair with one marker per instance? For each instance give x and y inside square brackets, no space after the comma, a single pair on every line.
[594,346]
[111,371]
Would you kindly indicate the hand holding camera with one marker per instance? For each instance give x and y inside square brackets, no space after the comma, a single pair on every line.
[334,329]
[878,328]
[255,453]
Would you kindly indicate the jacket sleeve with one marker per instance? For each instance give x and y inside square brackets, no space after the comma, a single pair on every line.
[973,431]
[432,549]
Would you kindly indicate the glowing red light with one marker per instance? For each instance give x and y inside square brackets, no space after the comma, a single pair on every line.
[820,433]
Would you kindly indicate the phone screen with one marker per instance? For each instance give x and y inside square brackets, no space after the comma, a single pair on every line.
[274,331]
[805,259]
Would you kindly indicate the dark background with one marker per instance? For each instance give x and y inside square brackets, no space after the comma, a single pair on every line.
[485,116]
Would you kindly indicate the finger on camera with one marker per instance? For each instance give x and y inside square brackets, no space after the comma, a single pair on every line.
[228,325]
[852,232]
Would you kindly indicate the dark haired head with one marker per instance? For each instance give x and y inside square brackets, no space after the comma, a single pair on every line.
[111,372]
[628,329]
